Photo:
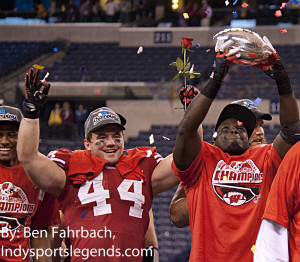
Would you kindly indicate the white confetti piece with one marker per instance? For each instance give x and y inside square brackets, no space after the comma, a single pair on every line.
[165,138]
[140,50]
[151,139]
[226,2]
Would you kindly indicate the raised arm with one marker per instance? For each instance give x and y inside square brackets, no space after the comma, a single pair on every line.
[42,171]
[289,112]
[188,141]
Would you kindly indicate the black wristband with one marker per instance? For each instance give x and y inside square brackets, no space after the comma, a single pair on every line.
[31,115]
[211,89]
[284,87]
[30,110]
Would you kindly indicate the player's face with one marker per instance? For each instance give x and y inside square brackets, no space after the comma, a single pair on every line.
[107,142]
[258,135]
[8,144]
[232,137]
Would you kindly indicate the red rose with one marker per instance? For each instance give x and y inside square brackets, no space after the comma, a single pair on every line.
[186,42]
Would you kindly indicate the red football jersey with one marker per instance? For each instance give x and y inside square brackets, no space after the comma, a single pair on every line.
[283,202]
[226,197]
[19,201]
[107,217]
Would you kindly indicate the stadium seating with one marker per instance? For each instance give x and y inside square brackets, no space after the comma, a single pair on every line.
[107,62]
[16,54]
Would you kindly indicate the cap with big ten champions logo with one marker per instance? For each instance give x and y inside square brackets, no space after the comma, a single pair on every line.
[101,117]
[241,112]
[10,114]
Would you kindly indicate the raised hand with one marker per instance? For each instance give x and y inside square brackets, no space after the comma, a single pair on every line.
[36,92]
[186,95]
[224,59]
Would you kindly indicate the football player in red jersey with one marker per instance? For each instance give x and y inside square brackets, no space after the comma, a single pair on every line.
[227,183]
[23,207]
[105,192]
[279,235]
[178,207]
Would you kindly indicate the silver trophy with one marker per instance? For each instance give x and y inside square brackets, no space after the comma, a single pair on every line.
[249,47]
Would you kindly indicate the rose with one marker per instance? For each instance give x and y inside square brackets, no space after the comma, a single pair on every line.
[184,67]
[186,42]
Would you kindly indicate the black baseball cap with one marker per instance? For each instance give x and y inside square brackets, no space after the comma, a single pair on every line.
[10,114]
[240,112]
[101,117]
[249,104]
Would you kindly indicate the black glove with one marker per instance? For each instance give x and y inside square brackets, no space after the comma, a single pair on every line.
[186,95]
[150,254]
[275,69]
[36,93]
[221,67]
[220,70]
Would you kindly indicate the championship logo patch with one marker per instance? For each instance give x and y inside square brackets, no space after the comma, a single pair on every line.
[14,207]
[238,183]
[8,117]
[104,116]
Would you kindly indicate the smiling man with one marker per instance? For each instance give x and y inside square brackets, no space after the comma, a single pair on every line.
[178,207]
[21,201]
[101,188]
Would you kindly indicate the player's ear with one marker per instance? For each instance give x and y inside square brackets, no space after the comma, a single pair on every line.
[87,144]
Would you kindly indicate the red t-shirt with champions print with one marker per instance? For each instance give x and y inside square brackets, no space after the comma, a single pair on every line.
[22,205]
[226,197]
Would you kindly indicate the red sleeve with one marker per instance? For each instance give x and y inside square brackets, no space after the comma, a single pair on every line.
[283,199]
[61,157]
[189,176]
[47,213]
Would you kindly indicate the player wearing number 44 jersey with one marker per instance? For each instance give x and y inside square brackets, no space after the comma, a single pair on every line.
[102,190]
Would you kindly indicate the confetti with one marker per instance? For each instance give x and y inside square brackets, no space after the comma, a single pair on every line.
[234,3]
[224,178]
[244,5]
[283,5]
[125,152]
[215,135]
[283,31]
[207,12]
[253,249]
[197,45]
[207,50]
[38,66]
[46,76]
[296,2]
[83,214]
[239,123]
[165,138]
[140,50]
[256,102]
[288,3]
[278,13]
[55,49]
[234,12]
[186,16]
[226,2]
[151,139]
